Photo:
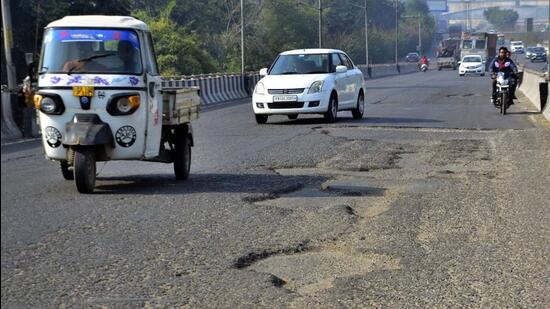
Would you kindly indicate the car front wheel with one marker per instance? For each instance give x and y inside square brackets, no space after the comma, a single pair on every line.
[357,112]
[332,113]
[261,119]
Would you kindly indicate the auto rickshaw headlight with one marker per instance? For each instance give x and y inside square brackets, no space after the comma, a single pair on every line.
[123,104]
[48,105]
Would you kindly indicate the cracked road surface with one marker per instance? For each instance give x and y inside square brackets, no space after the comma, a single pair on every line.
[431,200]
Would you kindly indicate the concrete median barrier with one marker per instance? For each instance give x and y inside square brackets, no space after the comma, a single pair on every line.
[9,130]
[216,88]
[534,86]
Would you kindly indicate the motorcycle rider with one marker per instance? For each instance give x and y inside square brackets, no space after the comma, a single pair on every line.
[424,60]
[501,64]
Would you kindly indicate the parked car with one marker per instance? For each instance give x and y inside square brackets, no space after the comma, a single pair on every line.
[517,47]
[412,57]
[538,54]
[309,81]
[472,64]
[529,52]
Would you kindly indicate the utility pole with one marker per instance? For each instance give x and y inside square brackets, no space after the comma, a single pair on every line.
[8,44]
[396,30]
[242,38]
[320,22]
[419,19]
[366,36]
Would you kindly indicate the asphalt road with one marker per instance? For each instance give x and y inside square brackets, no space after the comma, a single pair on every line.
[433,199]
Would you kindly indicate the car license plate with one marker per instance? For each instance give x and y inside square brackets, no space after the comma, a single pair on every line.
[83,91]
[285,98]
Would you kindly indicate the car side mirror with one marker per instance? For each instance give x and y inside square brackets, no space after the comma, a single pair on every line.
[459,62]
[263,72]
[341,69]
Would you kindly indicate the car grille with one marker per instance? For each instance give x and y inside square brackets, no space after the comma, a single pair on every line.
[281,105]
[286,91]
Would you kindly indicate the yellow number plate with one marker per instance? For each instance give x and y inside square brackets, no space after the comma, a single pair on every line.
[83,91]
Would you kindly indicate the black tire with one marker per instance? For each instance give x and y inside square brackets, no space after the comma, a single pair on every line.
[182,156]
[67,174]
[332,113]
[84,170]
[358,112]
[439,68]
[505,102]
[293,116]
[482,74]
[261,119]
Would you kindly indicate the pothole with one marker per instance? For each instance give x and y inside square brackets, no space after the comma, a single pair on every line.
[310,272]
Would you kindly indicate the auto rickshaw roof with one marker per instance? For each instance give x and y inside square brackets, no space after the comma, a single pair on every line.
[99,21]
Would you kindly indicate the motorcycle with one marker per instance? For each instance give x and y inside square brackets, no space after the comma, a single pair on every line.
[424,67]
[504,97]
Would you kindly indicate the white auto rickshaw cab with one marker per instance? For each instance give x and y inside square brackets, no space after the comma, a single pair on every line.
[100,99]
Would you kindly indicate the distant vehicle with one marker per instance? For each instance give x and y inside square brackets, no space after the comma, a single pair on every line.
[529,52]
[412,57]
[448,54]
[538,54]
[517,47]
[491,31]
[472,64]
[309,81]
[481,43]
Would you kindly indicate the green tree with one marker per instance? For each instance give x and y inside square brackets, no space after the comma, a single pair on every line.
[178,52]
[503,20]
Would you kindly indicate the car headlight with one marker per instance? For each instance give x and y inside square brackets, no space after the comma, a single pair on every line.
[260,89]
[316,87]
[123,104]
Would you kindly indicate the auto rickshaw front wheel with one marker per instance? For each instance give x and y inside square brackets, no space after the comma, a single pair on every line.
[182,156]
[84,170]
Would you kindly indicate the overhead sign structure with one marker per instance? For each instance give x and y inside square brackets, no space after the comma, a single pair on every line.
[438,5]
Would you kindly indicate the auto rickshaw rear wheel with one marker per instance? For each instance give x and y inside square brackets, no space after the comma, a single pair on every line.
[67,174]
[182,156]
[84,170]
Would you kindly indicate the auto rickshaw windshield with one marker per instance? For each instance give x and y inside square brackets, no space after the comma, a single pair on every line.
[98,51]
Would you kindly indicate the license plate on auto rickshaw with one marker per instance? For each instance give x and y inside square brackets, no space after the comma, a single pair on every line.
[83,91]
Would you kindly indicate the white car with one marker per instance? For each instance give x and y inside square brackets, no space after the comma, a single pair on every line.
[309,81]
[517,47]
[472,64]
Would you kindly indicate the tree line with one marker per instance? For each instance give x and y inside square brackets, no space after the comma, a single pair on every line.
[194,37]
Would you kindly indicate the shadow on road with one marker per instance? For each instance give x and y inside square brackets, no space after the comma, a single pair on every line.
[267,184]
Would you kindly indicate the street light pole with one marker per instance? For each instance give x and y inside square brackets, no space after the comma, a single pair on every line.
[8,44]
[420,35]
[396,30]
[320,22]
[366,37]
[242,38]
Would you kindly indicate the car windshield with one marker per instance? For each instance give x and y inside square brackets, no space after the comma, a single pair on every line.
[106,51]
[300,64]
[472,59]
[538,49]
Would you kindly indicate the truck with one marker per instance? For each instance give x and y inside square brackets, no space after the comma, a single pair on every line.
[448,53]
[480,43]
